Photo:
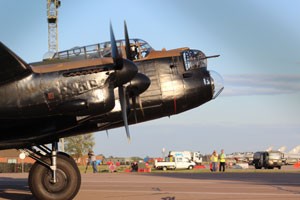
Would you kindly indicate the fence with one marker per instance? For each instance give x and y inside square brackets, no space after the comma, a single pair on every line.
[15,167]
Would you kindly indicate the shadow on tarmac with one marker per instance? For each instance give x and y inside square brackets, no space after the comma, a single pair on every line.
[14,189]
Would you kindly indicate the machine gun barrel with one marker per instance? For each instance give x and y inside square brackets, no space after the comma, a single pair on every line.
[214,56]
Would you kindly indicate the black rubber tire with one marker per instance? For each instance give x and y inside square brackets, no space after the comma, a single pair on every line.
[67,156]
[257,167]
[190,167]
[68,179]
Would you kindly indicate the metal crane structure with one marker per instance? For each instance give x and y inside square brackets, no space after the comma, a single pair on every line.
[52,16]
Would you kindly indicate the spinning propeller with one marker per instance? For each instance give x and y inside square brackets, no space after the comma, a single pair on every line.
[140,82]
[126,72]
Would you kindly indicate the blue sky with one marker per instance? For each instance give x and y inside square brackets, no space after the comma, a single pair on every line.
[259,44]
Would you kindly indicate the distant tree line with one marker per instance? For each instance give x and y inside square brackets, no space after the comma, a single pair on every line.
[79,145]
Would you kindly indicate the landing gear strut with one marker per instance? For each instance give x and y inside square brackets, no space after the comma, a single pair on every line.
[54,175]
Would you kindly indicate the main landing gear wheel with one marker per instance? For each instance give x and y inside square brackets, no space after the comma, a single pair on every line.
[67,183]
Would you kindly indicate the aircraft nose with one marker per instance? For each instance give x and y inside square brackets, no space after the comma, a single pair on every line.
[217,83]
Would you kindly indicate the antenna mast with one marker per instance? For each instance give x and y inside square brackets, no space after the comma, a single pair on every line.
[52,13]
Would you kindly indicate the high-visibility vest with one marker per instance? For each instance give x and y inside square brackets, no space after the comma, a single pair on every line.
[222,157]
[214,158]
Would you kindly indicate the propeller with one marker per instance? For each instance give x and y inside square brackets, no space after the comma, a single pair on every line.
[125,71]
[124,110]
[118,60]
[140,82]
[107,133]
[127,43]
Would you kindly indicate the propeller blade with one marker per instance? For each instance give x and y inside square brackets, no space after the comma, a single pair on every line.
[141,105]
[127,43]
[118,60]
[134,108]
[124,110]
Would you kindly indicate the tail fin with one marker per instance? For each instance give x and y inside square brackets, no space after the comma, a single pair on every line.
[269,148]
[295,150]
[282,149]
[12,67]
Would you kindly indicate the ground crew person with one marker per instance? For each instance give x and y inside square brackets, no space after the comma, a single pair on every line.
[222,160]
[214,161]
[92,161]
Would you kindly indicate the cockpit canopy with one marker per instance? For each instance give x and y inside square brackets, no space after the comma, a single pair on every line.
[140,49]
[194,59]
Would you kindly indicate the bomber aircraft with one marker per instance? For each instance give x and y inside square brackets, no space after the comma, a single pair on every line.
[92,88]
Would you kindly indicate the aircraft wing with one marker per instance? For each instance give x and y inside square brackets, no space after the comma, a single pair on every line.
[12,67]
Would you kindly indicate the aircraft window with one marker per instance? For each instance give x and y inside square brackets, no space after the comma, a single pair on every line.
[104,50]
[194,59]
[63,54]
[145,48]
[92,48]
[139,48]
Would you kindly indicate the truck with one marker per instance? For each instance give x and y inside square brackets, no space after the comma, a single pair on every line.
[191,155]
[268,159]
[174,163]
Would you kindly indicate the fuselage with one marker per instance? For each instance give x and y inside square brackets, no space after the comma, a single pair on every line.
[173,90]
[58,101]
[50,94]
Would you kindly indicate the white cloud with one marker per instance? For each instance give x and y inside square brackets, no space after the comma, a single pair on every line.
[265,84]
